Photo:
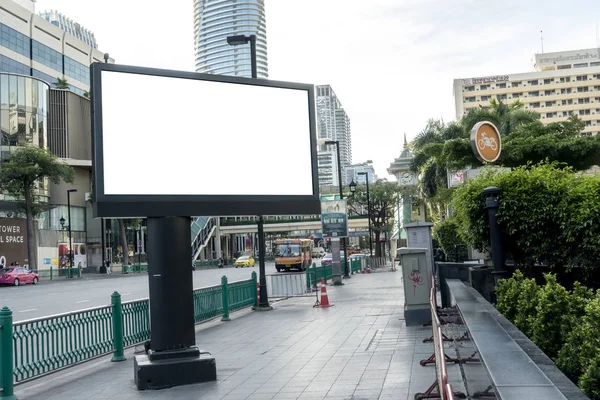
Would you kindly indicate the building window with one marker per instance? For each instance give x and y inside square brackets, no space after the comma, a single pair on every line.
[548,92]
[565,91]
[565,79]
[583,101]
[535,105]
[469,88]
[564,66]
[515,84]
[485,98]
[501,86]
[588,123]
[533,83]
[77,70]
[50,220]
[581,78]
[547,81]
[16,41]
[484,87]
[549,103]
[582,89]
[534,94]
[550,115]
[597,76]
[470,99]
[501,97]
[595,64]
[9,65]
[584,112]
[515,95]
[47,56]
[580,65]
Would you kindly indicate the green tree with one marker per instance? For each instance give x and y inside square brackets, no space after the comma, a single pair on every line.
[20,176]
[447,233]
[506,117]
[61,84]
[124,224]
[383,198]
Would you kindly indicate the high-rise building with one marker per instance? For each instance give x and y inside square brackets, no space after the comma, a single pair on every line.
[30,45]
[564,84]
[352,172]
[333,123]
[214,20]
[69,26]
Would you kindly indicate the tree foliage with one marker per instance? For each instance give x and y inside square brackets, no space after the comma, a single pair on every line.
[447,233]
[20,176]
[548,214]
[383,196]
[61,84]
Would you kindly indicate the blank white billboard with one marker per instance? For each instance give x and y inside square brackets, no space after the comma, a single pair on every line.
[175,136]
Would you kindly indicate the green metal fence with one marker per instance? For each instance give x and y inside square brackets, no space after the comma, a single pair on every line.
[40,346]
[55,273]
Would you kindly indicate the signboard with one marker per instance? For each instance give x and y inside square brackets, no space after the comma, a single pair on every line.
[79,255]
[456,178]
[13,240]
[193,135]
[486,142]
[334,218]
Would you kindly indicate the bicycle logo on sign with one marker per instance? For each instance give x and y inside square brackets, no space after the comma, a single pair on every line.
[486,141]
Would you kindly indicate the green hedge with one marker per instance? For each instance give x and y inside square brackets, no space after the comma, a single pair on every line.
[562,323]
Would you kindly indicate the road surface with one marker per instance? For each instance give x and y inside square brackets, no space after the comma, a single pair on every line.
[56,297]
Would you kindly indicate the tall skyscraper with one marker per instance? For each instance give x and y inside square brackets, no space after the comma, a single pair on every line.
[214,20]
[333,123]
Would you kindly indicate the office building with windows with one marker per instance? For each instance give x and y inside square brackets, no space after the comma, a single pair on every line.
[333,123]
[563,84]
[352,172]
[214,20]
[31,45]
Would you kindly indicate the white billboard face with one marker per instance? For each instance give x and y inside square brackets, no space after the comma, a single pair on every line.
[176,143]
[172,136]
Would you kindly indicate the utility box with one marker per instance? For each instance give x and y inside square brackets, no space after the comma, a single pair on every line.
[417,284]
[419,236]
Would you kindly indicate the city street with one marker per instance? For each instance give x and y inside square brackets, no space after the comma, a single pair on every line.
[56,297]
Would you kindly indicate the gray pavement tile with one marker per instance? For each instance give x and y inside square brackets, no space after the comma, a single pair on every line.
[260,396]
[366,394]
[311,396]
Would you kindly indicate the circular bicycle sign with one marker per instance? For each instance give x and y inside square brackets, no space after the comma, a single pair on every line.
[485,141]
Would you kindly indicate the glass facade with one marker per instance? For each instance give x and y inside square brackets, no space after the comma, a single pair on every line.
[50,220]
[16,41]
[217,19]
[47,56]
[10,65]
[23,117]
[77,70]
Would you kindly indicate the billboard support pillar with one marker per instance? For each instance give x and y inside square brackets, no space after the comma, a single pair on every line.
[172,358]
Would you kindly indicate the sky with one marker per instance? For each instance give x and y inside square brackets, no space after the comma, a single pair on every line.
[391,62]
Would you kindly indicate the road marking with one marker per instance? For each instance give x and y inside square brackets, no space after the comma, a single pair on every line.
[81,301]
[31,309]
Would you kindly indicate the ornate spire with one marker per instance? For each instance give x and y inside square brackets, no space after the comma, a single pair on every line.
[405,142]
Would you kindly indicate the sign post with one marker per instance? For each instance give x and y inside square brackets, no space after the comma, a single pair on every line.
[334,221]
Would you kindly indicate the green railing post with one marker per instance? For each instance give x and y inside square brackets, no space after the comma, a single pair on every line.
[117,323]
[50,272]
[254,281]
[225,291]
[6,354]
[78,271]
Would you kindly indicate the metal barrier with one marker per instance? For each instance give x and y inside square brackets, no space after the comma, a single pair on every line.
[36,347]
[444,389]
[288,284]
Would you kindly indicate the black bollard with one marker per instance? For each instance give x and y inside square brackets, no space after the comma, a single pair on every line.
[492,204]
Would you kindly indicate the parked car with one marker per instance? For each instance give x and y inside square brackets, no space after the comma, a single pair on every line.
[18,276]
[244,261]
[328,258]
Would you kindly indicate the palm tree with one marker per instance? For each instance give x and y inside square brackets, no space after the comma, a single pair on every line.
[61,84]
[506,117]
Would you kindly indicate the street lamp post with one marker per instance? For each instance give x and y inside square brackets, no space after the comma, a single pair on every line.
[366,174]
[263,301]
[337,147]
[62,223]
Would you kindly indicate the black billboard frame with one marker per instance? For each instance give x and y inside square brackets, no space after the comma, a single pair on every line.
[129,206]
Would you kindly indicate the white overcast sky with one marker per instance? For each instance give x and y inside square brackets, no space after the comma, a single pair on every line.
[391,62]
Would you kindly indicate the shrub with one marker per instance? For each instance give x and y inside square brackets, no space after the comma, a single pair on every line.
[507,291]
[590,380]
[527,302]
[550,324]
[447,233]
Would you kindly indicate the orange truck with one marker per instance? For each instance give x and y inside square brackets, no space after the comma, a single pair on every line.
[293,254]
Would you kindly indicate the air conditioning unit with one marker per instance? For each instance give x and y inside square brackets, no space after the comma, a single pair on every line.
[88,196]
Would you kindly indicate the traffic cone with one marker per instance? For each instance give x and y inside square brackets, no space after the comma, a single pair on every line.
[324,298]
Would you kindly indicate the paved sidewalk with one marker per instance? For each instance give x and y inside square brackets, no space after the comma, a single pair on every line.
[358,349]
